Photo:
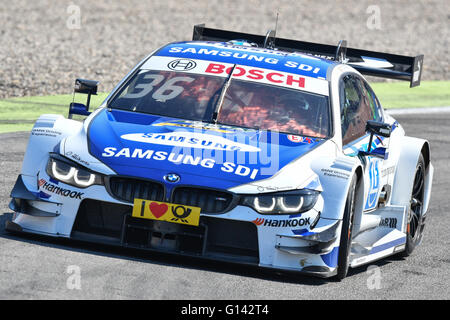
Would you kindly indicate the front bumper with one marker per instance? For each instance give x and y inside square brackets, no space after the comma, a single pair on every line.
[27,202]
[238,236]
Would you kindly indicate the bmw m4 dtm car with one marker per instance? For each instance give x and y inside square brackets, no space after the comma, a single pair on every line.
[235,147]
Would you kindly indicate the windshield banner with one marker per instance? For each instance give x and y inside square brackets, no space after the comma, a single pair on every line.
[241,72]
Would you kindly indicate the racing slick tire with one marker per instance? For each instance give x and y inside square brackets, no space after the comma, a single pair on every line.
[346,233]
[416,222]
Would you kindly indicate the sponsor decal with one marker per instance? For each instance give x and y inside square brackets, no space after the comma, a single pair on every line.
[273,188]
[41,182]
[227,54]
[47,186]
[76,157]
[298,222]
[196,125]
[387,171]
[164,211]
[250,73]
[374,184]
[182,65]
[258,221]
[179,158]
[389,223]
[335,173]
[41,194]
[299,139]
[293,74]
[190,140]
[233,166]
[252,54]
[45,132]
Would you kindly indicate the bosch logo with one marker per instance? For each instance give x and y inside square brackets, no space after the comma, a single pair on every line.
[182,65]
[172,177]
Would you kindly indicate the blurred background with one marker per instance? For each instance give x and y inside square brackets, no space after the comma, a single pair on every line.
[46,44]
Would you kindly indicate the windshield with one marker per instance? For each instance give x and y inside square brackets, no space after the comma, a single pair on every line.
[246,104]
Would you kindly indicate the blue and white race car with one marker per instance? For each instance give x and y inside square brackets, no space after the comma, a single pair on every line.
[235,147]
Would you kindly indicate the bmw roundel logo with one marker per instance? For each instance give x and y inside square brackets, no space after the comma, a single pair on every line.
[182,65]
[172,177]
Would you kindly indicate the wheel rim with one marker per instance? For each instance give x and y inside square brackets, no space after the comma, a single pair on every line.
[415,212]
[350,225]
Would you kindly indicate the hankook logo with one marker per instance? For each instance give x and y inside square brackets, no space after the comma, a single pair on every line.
[182,65]
[282,223]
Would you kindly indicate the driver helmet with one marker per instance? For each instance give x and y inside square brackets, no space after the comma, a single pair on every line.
[296,106]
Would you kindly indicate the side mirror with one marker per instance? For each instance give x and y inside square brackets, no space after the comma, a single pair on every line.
[378,129]
[78,108]
[88,87]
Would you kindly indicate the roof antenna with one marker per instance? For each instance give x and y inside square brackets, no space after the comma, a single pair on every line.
[269,42]
[276,21]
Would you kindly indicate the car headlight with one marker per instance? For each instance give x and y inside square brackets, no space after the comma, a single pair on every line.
[70,173]
[289,202]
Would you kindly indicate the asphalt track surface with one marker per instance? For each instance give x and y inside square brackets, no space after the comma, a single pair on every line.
[33,267]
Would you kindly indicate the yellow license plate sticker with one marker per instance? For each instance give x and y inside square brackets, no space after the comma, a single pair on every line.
[164,211]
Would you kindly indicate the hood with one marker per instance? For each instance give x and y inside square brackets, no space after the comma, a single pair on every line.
[150,147]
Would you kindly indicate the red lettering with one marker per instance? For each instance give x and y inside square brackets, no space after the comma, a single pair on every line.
[270,77]
[215,68]
[241,71]
[255,74]
[300,81]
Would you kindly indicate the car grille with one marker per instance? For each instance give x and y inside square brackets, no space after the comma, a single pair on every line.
[209,200]
[127,190]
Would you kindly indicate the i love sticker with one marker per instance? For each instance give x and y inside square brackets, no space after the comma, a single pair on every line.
[163,211]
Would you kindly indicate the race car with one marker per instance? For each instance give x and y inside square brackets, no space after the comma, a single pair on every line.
[235,147]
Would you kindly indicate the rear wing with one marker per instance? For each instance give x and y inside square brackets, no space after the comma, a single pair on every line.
[371,63]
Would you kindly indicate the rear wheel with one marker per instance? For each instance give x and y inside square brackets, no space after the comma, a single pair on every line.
[415,226]
[346,233]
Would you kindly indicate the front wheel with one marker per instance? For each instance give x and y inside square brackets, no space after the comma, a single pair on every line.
[415,226]
[346,233]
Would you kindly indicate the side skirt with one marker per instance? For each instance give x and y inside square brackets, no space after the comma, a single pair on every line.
[384,238]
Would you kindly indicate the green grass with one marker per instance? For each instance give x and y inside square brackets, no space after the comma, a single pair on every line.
[10,127]
[18,114]
[400,95]
[30,108]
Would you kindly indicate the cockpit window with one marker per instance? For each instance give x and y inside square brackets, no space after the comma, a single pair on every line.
[246,103]
[267,107]
[172,94]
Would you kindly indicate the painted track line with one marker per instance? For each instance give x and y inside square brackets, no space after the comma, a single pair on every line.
[418,110]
